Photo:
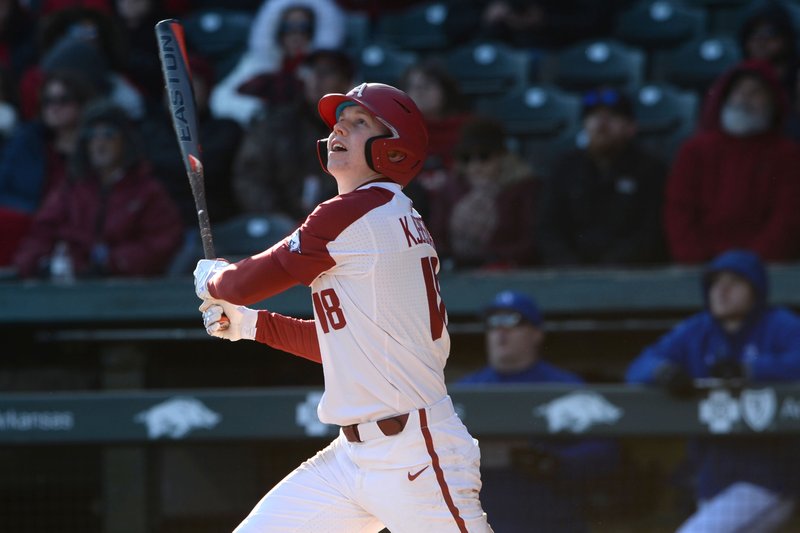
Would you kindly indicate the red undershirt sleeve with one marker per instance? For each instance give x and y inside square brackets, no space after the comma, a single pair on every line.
[298,337]
[253,279]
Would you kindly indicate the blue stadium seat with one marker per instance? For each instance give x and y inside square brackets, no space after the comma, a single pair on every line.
[659,24]
[696,64]
[249,234]
[384,64]
[666,116]
[219,35]
[541,121]
[358,32]
[420,27]
[589,64]
[485,69]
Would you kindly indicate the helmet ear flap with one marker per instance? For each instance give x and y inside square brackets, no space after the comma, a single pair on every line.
[379,150]
[322,153]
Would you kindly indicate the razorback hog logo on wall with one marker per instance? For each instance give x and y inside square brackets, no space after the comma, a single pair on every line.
[578,411]
[176,417]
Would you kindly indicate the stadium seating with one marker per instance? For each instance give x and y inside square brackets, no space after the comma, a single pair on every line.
[420,27]
[696,64]
[590,64]
[659,24]
[384,64]
[219,35]
[357,33]
[485,69]
[542,121]
[666,116]
[248,234]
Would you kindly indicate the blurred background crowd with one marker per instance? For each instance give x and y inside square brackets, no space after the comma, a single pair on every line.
[571,133]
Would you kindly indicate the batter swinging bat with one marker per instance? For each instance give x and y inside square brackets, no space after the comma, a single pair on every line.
[178,83]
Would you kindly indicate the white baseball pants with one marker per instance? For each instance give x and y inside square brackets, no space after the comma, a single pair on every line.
[424,479]
[740,508]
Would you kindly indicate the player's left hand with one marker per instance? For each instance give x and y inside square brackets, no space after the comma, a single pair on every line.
[242,320]
[204,271]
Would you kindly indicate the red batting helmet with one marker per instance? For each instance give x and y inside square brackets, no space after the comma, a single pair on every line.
[408,133]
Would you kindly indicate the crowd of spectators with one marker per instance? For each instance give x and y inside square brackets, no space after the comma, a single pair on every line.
[607,201]
[92,184]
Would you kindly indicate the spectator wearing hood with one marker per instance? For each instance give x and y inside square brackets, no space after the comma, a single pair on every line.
[742,483]
[602,205]
[767,34]
[276,170]
[110,216]
[735,182]
[283,33]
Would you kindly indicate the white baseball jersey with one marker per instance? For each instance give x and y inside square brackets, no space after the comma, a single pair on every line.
[379,318]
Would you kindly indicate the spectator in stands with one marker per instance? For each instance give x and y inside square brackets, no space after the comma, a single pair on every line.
[34,159]
[110,216]
[136,20]
[283,33]
[767,34]
[486,212]
[277,170]
[602,204]
[742,484]
[734,183]
[220,139]
[439,98]
[541,486]
[85,40]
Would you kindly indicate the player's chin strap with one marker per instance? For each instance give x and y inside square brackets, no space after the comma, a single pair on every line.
[322,153]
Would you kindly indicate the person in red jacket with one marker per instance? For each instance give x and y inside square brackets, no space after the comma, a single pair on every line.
[735,183]
[110,216]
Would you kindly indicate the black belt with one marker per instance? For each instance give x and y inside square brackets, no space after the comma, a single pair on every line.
[389,426]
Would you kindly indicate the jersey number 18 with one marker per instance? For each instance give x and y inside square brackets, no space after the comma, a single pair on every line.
[331,315]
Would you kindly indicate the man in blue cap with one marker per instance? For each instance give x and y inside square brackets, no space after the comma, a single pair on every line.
[541,486]
[514,338]
[742,484]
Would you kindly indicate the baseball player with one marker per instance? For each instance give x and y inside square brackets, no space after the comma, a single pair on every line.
[403,459]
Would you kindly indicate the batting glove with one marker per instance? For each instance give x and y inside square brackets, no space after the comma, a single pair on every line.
[204,271]
[242,320]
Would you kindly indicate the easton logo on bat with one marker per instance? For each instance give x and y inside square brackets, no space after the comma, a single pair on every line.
[176,96]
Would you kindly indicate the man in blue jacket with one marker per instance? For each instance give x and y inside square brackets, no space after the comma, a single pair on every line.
[742,483]
[541,485]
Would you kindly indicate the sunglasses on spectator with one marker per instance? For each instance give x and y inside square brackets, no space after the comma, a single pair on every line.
[608,97]
[103,132]
[60,99]
[504,320]
[476,156]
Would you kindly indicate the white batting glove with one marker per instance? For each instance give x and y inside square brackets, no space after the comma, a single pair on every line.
[204,271]
[242,320]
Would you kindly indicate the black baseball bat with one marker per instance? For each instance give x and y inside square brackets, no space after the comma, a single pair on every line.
[182,108]
[178,84]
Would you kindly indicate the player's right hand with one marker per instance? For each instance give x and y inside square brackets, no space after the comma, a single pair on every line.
[242,320]
[204,271]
